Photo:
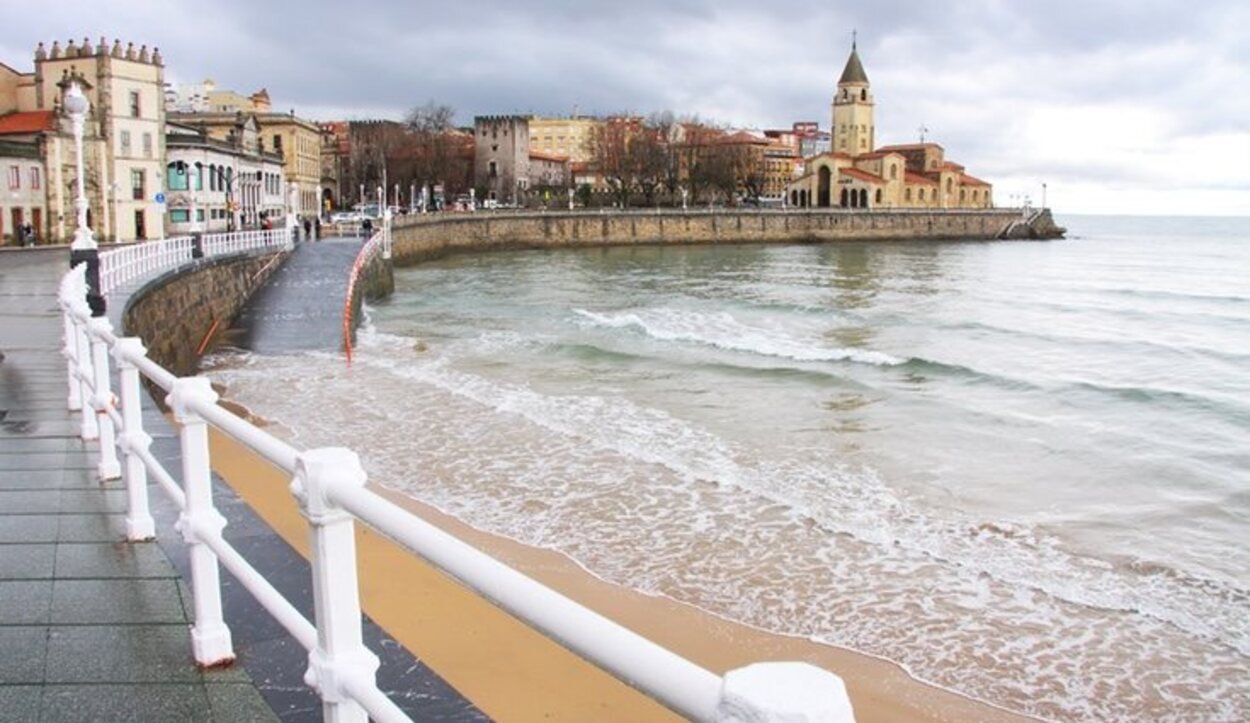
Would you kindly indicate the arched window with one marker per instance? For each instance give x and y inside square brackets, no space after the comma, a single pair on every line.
[893,172]
[845,201]
[949,185]
[922,194]
[176,176]
[863,198]
[863,94]
[961,195]
[907,195]
[878,196]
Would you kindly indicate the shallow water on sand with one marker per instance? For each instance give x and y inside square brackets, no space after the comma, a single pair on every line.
[1021,470]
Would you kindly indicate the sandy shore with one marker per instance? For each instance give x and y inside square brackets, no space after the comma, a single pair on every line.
[514,674]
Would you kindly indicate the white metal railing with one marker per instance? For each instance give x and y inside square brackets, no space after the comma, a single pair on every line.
[329,485]
[119,266]
[237,241]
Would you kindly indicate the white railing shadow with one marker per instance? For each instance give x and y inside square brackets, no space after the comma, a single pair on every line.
[329,485]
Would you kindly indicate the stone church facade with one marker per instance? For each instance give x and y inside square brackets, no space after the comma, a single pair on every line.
[855,173]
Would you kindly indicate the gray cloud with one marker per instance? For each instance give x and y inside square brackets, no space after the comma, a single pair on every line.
[998,83]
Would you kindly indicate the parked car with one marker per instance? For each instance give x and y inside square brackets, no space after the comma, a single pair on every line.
[346,217]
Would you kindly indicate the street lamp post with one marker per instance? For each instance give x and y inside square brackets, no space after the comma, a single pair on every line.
[84,249]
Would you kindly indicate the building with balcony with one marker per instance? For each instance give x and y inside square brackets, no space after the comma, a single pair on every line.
[298,141]
[222,185]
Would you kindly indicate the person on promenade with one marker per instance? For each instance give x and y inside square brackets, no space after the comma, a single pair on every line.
[307,229]
[29,232]
[317,228]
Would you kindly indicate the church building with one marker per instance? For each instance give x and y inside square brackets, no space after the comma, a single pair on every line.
[855,173]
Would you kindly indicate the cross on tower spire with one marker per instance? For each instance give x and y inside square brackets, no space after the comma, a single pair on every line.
[854,38]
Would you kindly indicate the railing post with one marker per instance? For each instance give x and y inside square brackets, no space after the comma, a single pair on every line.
[108,468]
[792,692]
[134,441]
[89,429]
[74,401]
[341,655]
[210,638]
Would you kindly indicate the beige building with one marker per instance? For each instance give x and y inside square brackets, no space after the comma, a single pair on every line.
[567,137]
[124,147]
[23,193]
[857,174]
[298,140]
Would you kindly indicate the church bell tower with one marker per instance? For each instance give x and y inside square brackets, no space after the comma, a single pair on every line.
[854,130]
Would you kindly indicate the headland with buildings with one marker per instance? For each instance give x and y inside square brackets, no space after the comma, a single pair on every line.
[163,160]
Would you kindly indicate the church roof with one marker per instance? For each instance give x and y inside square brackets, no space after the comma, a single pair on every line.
[854,71]
[971,181]
[862,176]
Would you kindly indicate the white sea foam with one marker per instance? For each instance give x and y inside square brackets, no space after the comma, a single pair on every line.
[794,542]
[723,331]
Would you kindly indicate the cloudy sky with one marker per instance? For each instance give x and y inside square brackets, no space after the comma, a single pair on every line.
[1118,106]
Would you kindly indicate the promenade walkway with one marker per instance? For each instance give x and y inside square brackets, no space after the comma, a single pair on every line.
[93,628]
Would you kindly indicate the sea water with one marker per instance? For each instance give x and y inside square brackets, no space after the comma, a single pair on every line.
[1019,469]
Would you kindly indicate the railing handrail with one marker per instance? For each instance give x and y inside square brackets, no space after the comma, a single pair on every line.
[329,484]
[123,264]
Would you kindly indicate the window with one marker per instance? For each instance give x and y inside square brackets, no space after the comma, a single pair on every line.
[124,140]
[492,169]
[15,177]
[176,173]
[277,143]
[863,94]
[893,172]
[199,177]
[35,180]
[922,194]
[134,104]
[179,215]
[907,195]
[136,184]
[147,145]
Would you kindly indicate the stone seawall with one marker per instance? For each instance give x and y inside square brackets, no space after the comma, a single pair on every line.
[419,238]
[174,313]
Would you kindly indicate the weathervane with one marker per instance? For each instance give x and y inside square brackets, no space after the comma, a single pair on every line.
[923,130]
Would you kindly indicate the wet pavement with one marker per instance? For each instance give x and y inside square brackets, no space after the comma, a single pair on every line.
[94,628]
[301,306]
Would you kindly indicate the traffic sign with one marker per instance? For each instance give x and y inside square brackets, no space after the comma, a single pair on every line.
[160,198]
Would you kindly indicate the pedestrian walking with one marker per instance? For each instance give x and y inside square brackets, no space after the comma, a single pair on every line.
[307,230]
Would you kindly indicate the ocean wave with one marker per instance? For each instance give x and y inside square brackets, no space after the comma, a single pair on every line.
[721,330]
[856,503]
[592,443]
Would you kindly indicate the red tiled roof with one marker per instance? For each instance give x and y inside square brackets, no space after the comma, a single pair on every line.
[548,157]
[915,178]
[970,181]
[862,175]
[35,121]
[952,166]
[908,147]
[875,155]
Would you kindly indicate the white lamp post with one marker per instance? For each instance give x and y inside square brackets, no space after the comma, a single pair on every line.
[77,105]
[84,249]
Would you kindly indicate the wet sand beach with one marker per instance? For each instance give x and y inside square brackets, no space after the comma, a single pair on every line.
[513,673]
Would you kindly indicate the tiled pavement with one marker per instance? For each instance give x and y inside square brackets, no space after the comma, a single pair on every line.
[96,629]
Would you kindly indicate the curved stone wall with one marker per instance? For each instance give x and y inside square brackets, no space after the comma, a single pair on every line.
[175,312]
[422,237]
